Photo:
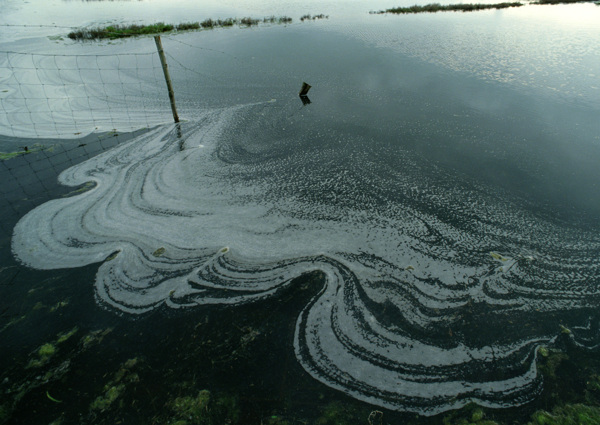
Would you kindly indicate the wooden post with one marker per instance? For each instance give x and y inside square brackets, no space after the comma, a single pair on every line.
[163,61]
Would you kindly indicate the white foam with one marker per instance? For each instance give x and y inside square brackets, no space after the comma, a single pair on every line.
[222,224]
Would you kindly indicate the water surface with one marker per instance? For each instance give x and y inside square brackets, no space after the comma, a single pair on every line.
[442,180]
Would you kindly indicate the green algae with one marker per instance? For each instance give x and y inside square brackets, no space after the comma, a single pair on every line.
[570,414]
[46,350]
[275,420]
[115,388]
[550,362]
[5,156]
[59,305]
[94,337]
[471,414]
[13,322]
[593,383]
[205,409]
[44,353]
[338,413]
[477,415]
[66,335]
[104,401]
[564,330]
[194,408]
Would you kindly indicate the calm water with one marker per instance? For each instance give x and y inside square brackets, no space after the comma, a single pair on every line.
[437,197]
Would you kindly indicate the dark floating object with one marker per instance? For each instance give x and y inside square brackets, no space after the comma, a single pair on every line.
[304,90]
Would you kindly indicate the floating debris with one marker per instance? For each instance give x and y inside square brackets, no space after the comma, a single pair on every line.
[86,187]
[498,257]
[304,93]
[304,90]
[52,398]
[112,256]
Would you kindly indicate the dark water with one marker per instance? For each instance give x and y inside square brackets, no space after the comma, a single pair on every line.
[409,241]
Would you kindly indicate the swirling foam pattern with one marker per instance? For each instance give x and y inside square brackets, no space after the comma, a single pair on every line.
[430,276]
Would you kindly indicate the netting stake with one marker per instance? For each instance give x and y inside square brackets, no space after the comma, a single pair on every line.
[163,62]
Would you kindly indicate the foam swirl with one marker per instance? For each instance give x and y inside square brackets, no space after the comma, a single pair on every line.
[427,274]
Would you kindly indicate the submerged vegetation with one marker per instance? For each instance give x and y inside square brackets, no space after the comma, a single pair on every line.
[124,31]
[461,7]
[212,369]
[4,156]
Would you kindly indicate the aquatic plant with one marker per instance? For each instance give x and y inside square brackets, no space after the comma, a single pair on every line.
[186,26]
[46,350]
[63,337]
[121,31]
[338,413]
[313,17]
[9,155]
[4,156]
[208,23]
[571,414]
[104,401]
[116,386]
[461,7]
[94,337]
[44,353]
[249,21]
[205,409]
[229,22]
